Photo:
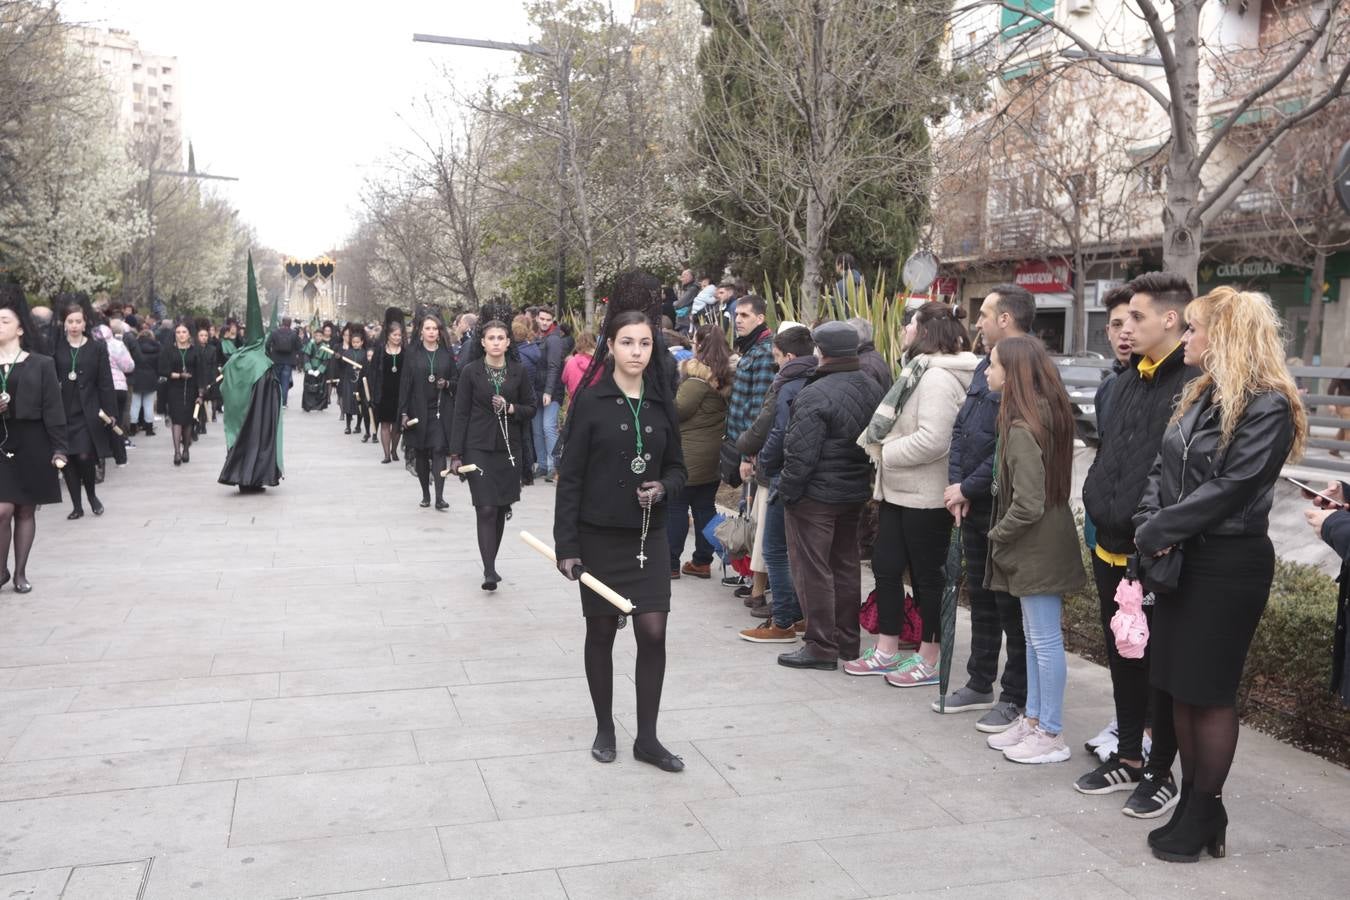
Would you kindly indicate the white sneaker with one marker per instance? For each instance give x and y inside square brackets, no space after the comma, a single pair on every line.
[1012,737]
[1109,734]
[1039,747]
[1107,750]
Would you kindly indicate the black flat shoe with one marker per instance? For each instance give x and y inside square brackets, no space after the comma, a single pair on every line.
[21,586]
[441,504]
[667,762]
[490,581]
[366,439]
[348,431]
[802,658]
[76,514]
[97,508]
[386,461]
[424,503]
[186,457]
[178,459]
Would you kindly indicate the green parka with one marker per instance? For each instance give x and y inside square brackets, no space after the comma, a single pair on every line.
[703,417]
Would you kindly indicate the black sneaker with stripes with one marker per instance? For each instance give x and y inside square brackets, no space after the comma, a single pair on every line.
[1154,795]
[1109,777]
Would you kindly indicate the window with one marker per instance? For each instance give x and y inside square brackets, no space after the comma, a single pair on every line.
[152,72]
[1082,187]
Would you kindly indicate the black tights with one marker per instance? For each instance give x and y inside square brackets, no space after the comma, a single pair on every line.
[491,527]
[430,464]
[1207,739]
[21,521]
[649,629]
[81,469]
[389,440]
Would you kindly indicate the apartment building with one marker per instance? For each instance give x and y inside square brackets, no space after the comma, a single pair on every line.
[1063,190]
[146,87]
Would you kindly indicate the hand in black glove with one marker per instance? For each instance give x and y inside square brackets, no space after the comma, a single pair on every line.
[571,567]
[650,493]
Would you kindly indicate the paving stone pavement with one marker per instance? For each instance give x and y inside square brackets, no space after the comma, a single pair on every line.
[305,694]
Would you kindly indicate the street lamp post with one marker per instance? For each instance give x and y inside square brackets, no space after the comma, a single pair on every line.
[563,60]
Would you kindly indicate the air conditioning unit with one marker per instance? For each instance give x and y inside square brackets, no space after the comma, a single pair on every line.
[1077,6]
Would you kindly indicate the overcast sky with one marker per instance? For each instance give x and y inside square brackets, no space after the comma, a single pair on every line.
[299,97]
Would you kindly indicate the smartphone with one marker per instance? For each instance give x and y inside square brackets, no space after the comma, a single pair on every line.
[1310,492]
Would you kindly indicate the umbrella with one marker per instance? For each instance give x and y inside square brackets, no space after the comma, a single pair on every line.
[953,572]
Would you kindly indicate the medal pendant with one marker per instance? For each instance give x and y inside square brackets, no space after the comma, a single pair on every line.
[4,396]
[431,379]
[70,377]
[638,465]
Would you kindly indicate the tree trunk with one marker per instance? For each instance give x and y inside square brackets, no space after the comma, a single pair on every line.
[816,236]
[1078,328]
[1312,338]
[1182,227]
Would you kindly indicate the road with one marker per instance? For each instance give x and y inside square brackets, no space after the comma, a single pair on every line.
[305,693]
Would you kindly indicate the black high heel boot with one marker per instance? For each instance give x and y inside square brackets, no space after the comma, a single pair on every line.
[1203,826]
[1158,834]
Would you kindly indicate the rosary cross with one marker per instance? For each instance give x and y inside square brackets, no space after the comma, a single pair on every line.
[642,559]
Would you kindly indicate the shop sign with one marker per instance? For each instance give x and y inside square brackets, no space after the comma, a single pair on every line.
[1042,277]
[1252,268]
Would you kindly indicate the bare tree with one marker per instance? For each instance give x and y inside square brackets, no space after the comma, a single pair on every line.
[815,102]
[1297,67]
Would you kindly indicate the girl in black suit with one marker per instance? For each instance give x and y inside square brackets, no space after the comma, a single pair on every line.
[493,405]
[86,390]
[32,433]
[621,459]
[427,395]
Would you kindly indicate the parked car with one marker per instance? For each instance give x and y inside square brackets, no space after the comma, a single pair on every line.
[1082,374]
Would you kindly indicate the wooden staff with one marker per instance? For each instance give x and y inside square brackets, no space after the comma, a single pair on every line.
[107,420]
[411,422]
[463,470]
[350,362]
[197,408]
[587,578]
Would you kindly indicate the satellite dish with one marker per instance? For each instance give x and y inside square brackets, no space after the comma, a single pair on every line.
[1342,174]
[920,271]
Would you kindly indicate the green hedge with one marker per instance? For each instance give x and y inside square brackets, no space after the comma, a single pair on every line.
[1284,689]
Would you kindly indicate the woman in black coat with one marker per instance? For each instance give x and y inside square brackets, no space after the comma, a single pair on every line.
[86,391]
[494,403]
[426,405]
[385,377]
[180,369]
[32,433]
[209,361]
[144,381]
[621,459]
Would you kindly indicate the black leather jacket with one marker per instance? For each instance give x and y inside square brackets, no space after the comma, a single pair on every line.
[1199,488]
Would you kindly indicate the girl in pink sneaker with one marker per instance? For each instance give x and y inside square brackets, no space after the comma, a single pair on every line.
[1033,542]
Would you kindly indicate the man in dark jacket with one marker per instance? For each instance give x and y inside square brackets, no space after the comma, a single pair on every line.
[872,362]
[1332,524]
[282,346]
[1008,311]
[825,480]
[550,401]
[684,303]
[1141,402]
[794,352]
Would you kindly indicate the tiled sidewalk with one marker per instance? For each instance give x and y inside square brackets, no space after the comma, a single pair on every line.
[305,694]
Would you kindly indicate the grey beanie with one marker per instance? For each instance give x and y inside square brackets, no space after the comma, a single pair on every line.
[836,339]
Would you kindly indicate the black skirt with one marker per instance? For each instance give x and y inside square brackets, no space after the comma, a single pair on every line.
[499,483]
[1200,634]
[28,477]
[179,401]
[432,431]
[610,554]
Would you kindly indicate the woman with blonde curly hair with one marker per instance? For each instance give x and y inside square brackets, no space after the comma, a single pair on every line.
[1204,518]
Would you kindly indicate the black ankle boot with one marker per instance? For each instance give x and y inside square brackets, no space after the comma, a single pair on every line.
[1158,834]
[1203,826]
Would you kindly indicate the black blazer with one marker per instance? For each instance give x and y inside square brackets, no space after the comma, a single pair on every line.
[415,393]
[92,389]
[36,395]
[596,484]
[171,360]
[374,372]
[475,426]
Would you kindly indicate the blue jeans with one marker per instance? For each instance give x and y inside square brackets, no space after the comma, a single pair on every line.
[786,610]
[143,408]
[1046,667]
[284,379]
[701,500]
[544,426]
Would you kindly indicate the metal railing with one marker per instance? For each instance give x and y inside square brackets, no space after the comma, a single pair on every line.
[1320,405]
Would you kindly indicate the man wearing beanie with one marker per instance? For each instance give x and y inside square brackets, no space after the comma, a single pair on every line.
[825,481]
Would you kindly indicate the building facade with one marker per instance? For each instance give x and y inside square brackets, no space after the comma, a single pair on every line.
[146,87]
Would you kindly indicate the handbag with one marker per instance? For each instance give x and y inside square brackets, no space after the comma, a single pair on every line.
[729,464]
[1161,574]
[911,625]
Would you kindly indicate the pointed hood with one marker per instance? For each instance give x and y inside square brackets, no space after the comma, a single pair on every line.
[253,322]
